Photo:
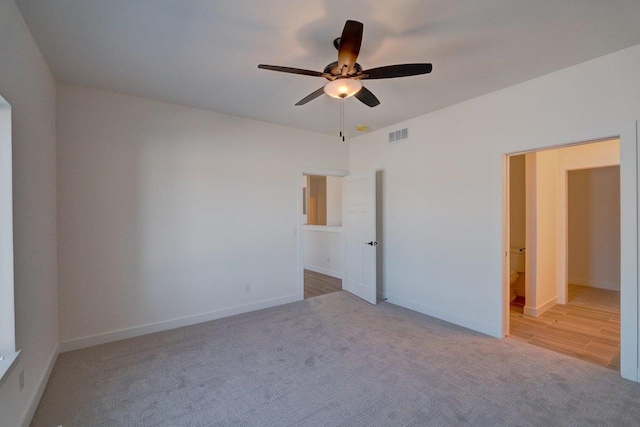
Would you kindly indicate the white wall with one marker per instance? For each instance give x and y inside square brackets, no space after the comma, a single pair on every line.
[542,226]
[443,186]
[334,201]
[594,227]
[157,213]
[27,84]
[323,250]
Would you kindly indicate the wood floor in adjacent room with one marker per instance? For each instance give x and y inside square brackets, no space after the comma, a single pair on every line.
[316,284]
[588,327]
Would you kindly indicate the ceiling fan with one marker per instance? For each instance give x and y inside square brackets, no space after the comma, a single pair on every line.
[345,74]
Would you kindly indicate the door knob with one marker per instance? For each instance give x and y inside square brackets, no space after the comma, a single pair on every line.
[372,243]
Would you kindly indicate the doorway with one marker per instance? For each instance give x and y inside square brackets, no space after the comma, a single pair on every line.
[320,238]
[585,180]
[322,234]
[358,243]
[547,306]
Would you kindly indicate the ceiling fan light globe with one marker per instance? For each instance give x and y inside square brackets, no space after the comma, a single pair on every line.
[342,88]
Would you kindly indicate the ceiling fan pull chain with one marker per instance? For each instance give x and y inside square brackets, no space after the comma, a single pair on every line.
[342,118]
[341,129]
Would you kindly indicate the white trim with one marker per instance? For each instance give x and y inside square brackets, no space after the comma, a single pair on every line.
[537,311]
[39,390]
[7,291]
[485,328]
[629,207]
[6,365]
[332,273]
[569,140]
[323,228]
[593,164]
[629,303]
[506,243]
[612,286]
[84,342]
[305,170]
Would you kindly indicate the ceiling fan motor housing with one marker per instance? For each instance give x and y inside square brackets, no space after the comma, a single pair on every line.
[335,71]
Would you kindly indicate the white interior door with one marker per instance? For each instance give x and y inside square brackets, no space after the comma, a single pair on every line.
[359,217]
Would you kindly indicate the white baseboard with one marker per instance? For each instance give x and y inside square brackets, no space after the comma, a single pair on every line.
[332,273]
[537,311]
[37,393]
[90,341]
[485,328]
[595,284]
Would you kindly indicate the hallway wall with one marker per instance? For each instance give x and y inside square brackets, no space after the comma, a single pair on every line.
[542,230]
[594,227]
[323,250]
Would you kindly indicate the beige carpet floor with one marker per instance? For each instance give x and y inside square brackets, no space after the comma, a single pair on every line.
[333,360]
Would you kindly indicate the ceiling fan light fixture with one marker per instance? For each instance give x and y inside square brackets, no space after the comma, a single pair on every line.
[342,88]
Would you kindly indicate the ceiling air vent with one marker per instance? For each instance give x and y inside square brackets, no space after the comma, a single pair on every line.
[398,135]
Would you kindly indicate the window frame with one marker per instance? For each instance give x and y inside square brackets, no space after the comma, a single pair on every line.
[8,352]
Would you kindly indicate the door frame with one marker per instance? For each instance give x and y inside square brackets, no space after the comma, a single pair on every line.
[306,170]
[627,133]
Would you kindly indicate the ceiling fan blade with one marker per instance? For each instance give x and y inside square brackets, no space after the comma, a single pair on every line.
[294,71]
[366,97]
[349,48]
[400,70]
[311,96]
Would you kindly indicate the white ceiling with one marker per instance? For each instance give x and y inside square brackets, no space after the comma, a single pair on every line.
[204,53]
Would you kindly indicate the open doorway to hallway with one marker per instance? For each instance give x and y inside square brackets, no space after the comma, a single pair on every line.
[322,234]
[564,258]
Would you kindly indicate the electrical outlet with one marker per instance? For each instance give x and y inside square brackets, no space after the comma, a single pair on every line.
[21,380]
[328,260]
[247,287]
